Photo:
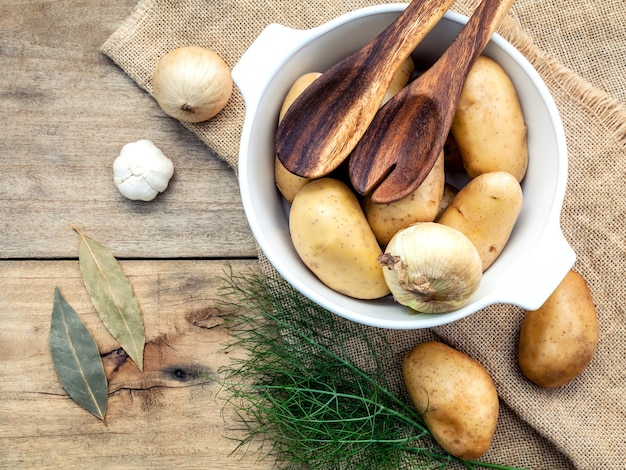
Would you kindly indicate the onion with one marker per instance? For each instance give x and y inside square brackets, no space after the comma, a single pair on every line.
[431,268]
[192,84]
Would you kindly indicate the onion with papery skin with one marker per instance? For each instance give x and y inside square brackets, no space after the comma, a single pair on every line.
[431,268]
[192,84]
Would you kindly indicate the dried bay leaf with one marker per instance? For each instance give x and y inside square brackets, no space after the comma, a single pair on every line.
[112,296]
[77,359]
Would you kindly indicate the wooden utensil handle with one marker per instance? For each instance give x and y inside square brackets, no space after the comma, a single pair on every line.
[399,39]
[325,123]
[475,35]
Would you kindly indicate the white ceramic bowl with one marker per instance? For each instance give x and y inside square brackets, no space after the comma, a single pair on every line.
[536,257]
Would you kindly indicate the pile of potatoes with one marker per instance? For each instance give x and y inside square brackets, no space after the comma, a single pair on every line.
[339,234]
[456,395]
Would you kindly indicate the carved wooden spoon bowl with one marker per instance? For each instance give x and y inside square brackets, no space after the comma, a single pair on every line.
[323,125]
[405,138]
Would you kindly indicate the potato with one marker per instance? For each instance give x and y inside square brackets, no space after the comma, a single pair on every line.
[558,341]
[455,395]
[289,184]
[485,210]
[332,237]
[421,205]
[488,125]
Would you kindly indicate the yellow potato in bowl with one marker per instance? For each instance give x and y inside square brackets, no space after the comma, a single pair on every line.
[333,239]
[485,210]
[455,395]
[488,125]
[422,205]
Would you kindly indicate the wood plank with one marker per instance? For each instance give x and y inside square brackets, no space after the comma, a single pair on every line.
[171,414]
[65,112]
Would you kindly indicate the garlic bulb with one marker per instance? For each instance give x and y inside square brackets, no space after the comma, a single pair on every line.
[192,84]
[142,171]
[431,268]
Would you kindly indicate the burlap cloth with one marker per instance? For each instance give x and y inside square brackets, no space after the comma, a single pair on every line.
[579,49]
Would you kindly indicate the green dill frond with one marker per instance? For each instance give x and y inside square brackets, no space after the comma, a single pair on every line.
[299,395]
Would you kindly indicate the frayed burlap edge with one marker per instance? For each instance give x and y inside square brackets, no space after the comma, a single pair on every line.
[607,110]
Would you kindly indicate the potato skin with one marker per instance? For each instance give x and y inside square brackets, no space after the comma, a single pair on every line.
[288,183]
[485,210]
[422,205]
[332,237]
[488,125]
[558,341]
[455,395]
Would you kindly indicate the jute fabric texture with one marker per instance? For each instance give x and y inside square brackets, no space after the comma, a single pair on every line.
[580,51]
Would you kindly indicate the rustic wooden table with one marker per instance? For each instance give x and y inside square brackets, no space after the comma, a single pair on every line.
[65,112]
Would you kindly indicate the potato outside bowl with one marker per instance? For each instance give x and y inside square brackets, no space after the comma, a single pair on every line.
[537,256]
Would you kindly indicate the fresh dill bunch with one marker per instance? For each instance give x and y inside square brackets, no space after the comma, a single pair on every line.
[297,391]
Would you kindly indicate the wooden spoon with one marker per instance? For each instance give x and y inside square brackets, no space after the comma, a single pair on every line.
[325,122]
[402,143]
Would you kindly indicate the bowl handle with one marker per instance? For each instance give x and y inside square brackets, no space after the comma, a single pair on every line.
[265,55]
[544,269]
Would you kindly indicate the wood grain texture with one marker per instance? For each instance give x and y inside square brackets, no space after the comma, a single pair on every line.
[168,415]
[323,125]
[65,112]
[406,137]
